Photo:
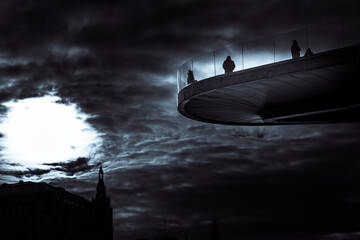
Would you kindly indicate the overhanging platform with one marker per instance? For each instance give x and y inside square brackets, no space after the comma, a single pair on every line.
[322,88]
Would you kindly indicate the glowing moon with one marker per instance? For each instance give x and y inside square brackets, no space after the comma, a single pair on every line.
[39,130]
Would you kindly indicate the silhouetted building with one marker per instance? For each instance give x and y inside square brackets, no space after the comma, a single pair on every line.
[215,233]
[103,210]
[38,211]
[166,238]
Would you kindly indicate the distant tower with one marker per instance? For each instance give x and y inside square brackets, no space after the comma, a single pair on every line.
[103,210]
[215,233]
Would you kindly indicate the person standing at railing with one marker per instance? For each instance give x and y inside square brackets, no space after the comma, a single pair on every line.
[295,50]
[191,78]
[308,52]
[228,65]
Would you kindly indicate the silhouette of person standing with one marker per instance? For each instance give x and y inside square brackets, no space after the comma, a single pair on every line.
[308,52]
[228,65]
[295,50]
[191,78]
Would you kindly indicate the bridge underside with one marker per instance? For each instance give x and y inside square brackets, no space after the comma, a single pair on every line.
[323,88]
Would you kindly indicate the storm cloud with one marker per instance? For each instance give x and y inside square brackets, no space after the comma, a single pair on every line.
[117,61]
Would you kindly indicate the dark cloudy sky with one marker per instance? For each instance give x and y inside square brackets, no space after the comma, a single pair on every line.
[115,62]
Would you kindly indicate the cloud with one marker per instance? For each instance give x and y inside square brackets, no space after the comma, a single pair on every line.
[81,164]
[26,173]
[280,192]
[117,61]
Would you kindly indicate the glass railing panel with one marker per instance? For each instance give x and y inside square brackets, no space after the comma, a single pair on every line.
[284,41]
[178,80]
[325,37]
[319,38]
[183,74]
[351,31]
[258,52]
[204,66]
[235,53]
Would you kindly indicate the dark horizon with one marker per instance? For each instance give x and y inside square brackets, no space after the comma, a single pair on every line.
[84,84]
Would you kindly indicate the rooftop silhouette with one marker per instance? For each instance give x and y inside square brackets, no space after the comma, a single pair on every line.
[30,210]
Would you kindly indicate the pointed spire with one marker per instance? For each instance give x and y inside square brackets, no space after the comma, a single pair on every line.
[103,209]
[101,173]
[100,188]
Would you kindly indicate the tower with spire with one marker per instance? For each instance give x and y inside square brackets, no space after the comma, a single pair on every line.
[103,210]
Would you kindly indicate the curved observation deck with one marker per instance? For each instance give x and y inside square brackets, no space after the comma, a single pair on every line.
[321,88]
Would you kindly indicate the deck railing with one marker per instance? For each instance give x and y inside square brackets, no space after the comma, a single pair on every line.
[319,38]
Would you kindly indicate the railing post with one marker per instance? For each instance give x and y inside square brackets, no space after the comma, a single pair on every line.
[178,80]
[342,32]
[274,45]
[307,37]
[214,65]
[242,55]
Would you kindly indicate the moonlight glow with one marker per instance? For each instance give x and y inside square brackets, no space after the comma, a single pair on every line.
[39,130]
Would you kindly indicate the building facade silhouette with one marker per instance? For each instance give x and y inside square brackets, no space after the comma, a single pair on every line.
[30,210]
[215,233]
